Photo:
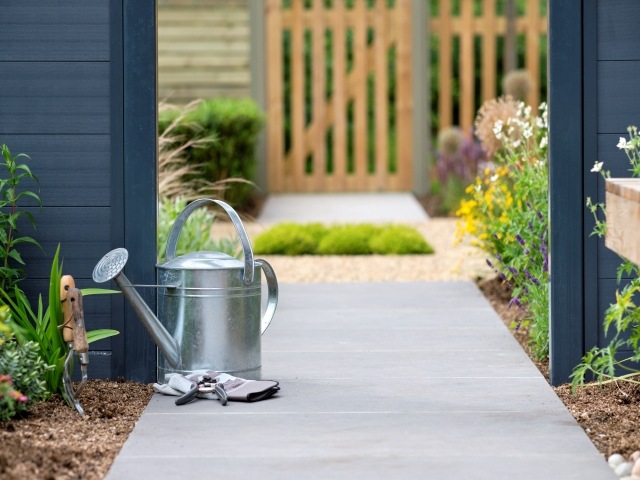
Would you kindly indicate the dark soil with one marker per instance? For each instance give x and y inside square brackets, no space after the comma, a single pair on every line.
[53,442]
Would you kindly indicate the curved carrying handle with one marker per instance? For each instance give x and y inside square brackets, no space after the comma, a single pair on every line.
[272,289]
[174,234]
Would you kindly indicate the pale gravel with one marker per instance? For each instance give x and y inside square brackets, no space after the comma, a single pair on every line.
[451,260]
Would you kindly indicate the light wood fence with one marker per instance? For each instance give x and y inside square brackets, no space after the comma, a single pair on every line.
[338,96]
[339,83]
[475,30]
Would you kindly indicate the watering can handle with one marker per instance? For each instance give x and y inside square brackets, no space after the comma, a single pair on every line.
[272,289]
[174,234]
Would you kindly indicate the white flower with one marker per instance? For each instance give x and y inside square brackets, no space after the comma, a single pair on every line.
[497,129]
[544,142]
[597,166]
[622,144]
[516,144]
[477,188]
[494,178]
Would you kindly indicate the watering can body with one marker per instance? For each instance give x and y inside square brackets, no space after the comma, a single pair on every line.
[211,304]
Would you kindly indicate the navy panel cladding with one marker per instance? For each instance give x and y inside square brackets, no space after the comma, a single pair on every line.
[618,106]
[618,95]
[70,30]
[618,32]
[56,106]
[54,97]
[74,169]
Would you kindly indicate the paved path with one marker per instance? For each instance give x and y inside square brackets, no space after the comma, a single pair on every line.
[379,381]
[342,208]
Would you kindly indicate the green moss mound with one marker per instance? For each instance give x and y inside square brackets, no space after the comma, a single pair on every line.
[348,240]
[355,239]
[399,240]
[289,239]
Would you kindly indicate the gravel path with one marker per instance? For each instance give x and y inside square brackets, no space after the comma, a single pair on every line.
[449,262]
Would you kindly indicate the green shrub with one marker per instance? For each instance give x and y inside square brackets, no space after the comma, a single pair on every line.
[348,240]
[290,239]
[355,239]
[399,240]
[26,368]
[22,371]
[235,125]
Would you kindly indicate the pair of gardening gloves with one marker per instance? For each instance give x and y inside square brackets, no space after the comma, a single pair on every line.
[237,389]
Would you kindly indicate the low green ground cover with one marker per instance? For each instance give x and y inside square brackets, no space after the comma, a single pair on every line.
[351,239]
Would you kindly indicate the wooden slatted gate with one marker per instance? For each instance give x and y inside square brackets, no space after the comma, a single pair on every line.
[339,83]
[339,95]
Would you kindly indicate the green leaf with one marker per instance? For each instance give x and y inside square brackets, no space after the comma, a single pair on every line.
[95,335]
[98,291]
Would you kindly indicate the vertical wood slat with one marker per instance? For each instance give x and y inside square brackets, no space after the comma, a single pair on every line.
[381,85]
[297,97]
[339,98]
[467,71]
[532,57]
[358,179]
[275,125]
[319,120]
[444,27]
[445,93]
[404,87]
[489,45]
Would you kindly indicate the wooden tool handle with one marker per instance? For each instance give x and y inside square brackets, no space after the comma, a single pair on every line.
[68,324]
[80,344]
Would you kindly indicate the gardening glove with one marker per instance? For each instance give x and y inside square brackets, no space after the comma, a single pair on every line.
[237,389]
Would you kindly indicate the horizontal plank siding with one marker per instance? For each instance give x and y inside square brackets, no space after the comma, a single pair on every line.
[618,32]
[54,31]
[618,95]
[84,232]
[203,50]
[55,106]
[618,106]
[54,97]
[72,169]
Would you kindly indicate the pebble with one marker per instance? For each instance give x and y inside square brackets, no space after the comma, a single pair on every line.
[615,460]
[634,456]
[636,468]
[624,469]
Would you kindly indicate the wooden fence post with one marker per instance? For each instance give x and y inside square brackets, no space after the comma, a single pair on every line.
[421,97]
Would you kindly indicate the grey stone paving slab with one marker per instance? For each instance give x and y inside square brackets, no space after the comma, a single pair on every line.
[416,380]
[342,208]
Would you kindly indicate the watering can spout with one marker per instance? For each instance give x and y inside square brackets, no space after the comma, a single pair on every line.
[110,268]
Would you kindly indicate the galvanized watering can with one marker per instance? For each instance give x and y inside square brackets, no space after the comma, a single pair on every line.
[209,304]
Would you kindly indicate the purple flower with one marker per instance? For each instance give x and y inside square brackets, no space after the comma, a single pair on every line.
[489,263]
[520,239]
[513,271]
[531,277]
[540,216]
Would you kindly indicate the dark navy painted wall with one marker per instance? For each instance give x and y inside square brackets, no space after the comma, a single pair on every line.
[618,106]
[594,63]
[72,97]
